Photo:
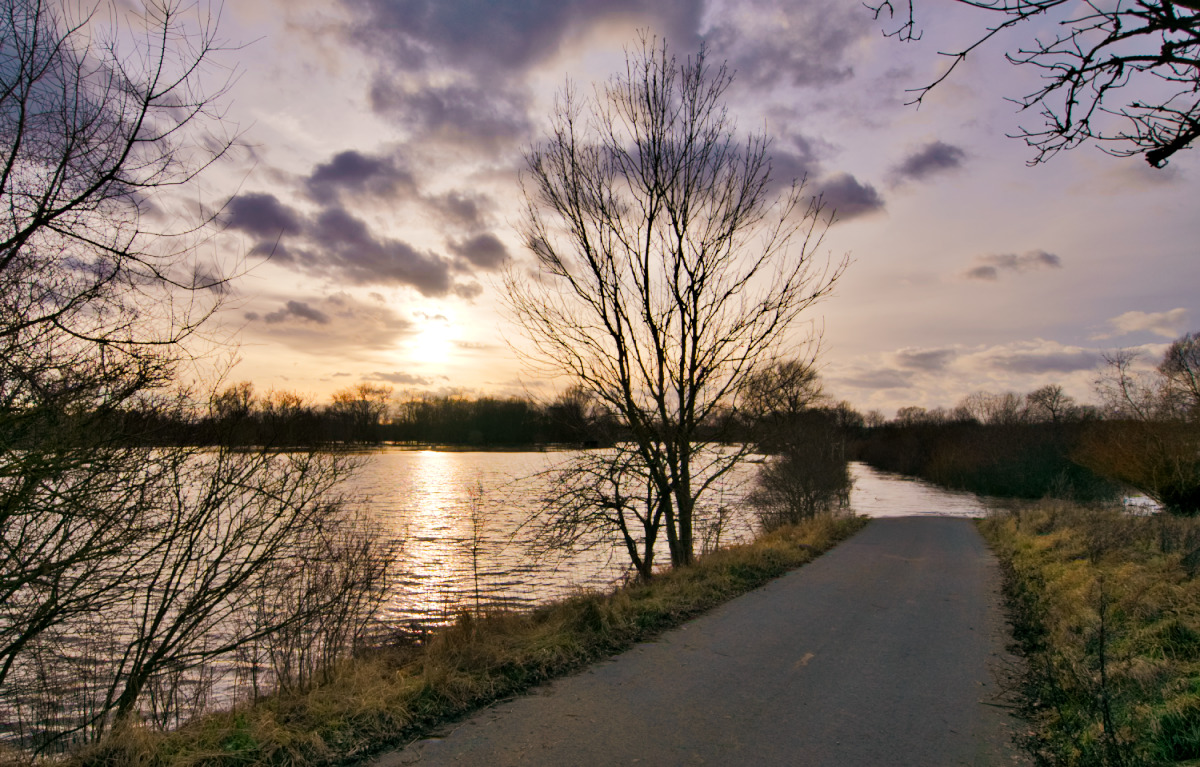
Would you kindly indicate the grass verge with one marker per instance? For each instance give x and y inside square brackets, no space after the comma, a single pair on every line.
[391,695]
[1106,607]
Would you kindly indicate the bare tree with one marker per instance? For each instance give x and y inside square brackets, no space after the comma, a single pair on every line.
[994,409]
[362,408]
[1050,403]
[776,396]
[596,498]
[1125,74]
[1149,439]
[125,561]
[667,272]
[1180,367]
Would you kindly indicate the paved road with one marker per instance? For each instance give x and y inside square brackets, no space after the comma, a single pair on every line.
[881,652]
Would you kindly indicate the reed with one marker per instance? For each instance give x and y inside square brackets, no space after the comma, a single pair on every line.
[1106,607]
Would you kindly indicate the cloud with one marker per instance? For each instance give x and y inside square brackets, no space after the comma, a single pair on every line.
[933,158]
[769,42]
[881,378]
[1046,361]
[497,40]
[261,215]
[925,359]
[337,323]
[404,379]
[459,207]
[341,247]
[466,114]
[848,197]
[357,173]
[989,267]
[299,310]
[483,250]
[350,252]
[455,72]
[1168,324]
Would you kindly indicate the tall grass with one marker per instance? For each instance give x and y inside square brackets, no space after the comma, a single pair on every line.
[391,694]
[1106,607]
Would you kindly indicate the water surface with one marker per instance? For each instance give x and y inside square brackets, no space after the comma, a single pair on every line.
[460,516]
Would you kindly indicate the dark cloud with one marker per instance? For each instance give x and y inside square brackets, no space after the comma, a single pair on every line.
[768,42]
[261,215]
[455,71]
[983,273]
[483,250]
[469,291]
[883,378]
[349,251]
[931,159]
[848,197]
[925,359]
[989,267]
[495,40]
[341,247]
[797,162]
[458,207]
[357,173]
[337,322]
[404,379]
[1053,362]
[478,346]
[298,310]
[468,114]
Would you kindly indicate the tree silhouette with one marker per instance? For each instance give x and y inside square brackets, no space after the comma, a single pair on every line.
[667,272]
[1125,75]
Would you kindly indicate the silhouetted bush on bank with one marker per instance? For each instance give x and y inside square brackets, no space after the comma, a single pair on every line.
[807,474]
[1021,460]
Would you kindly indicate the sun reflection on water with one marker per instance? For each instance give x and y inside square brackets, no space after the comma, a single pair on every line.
[429,499]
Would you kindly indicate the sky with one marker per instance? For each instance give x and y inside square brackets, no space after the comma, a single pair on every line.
[375,199]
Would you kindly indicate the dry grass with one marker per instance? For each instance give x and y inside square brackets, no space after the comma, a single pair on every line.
[393,694]
[1107,608]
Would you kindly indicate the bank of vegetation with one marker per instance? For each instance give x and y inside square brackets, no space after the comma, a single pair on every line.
[387,695]
[1144,437]
[1106,609]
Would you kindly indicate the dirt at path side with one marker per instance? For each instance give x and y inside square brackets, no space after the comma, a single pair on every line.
[881,652]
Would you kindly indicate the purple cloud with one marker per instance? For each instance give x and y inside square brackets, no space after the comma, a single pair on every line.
[483,250]
[357,173]
[989,267]
[933,158]
[262,215]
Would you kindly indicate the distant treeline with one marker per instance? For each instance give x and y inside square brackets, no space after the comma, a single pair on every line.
[995,444]
[368,414]
[1145,436]
[1018,460]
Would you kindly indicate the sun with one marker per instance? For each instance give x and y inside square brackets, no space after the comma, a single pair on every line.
[434,344]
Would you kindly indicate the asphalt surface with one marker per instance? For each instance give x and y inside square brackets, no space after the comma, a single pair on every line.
[888,650]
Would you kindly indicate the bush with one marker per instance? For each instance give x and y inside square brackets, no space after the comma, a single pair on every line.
[808,477]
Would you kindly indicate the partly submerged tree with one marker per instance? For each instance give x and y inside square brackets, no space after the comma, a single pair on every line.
[668,271]
[124,567]
[1124,74]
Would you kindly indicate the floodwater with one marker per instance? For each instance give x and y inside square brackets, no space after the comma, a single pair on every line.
[461,520]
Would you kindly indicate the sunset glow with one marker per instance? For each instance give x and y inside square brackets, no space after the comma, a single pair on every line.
[385,138]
